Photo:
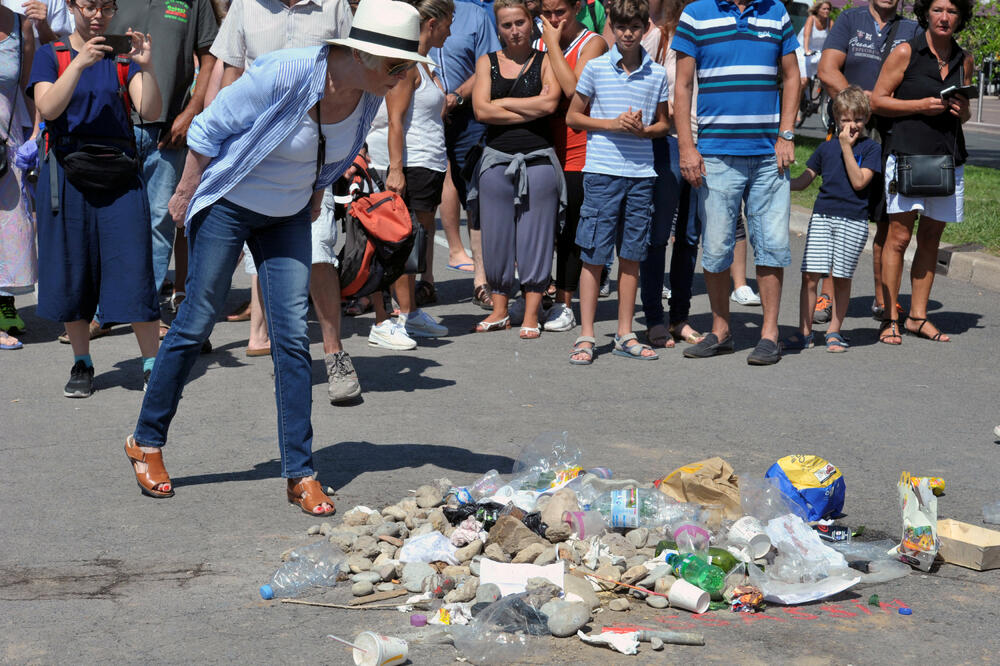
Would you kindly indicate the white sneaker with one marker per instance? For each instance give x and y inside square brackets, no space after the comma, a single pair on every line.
[559,318]
[390,335]
[419,324]
[666,293]
[745,296]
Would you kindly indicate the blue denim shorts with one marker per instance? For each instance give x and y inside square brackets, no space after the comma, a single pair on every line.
[754,180]
[616,209]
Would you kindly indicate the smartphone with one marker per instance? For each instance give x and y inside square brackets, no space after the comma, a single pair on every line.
[120,45]
[969,92]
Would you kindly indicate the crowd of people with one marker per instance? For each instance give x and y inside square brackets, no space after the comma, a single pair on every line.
[572,132]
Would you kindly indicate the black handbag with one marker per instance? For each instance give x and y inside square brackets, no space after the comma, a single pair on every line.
[925,175]
[100,169]
[417,261]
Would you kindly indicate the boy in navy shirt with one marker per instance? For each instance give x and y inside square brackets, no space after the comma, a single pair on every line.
[838,228]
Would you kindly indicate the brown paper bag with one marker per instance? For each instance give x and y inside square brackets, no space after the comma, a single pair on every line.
[710,481]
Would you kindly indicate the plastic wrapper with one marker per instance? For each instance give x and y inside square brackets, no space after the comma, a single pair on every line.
[486,485]
[763,499]
[467,531]
[548,463]
[433,547]
[502,632]
[919,545]
[874,560]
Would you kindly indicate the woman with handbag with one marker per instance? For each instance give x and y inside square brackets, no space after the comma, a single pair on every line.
[18,269]
[926,151]
[406,147]
[94,243]
[259,158]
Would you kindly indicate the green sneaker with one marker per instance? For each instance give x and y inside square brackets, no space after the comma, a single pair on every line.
[10,321]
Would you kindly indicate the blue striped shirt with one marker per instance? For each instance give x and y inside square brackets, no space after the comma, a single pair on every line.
[248,119]
[738,64]
[612,91]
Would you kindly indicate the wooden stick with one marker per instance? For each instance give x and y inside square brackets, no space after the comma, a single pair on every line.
[422,605]
[378,596]
[617,582]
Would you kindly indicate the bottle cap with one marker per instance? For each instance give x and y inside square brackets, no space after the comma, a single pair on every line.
[418,620]
[266,592]
[906,611]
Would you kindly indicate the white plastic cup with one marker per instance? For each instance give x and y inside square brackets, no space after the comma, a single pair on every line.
[690,597]
[379,650]
[750,530]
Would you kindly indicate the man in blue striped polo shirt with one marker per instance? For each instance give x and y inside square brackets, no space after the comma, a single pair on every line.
[621,102]
[743,53]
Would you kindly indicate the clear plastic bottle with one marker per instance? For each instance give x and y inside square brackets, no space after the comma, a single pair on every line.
[991,512]
[698,572]
[315,565]
[586,523]
[487,485]
[633,507]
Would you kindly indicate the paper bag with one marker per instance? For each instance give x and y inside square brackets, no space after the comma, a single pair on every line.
[709,481]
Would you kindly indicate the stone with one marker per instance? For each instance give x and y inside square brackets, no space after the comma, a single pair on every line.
[466,553]
[362,588]
[375,519]
[465,592]
[386,572]
[367,576]
[566,618]
[389,528]
[358,563]
[495,553]
[578,589]
[414,575]
[387,549]
[558,532]
[556,505]
[343,539]
[638,536]
[395,512]
[410,521]
[619,604]
[474,564]
[567,553]
[367,546]
[512,536]
[654,601]
[356,517]
[425,528]
[383,558]
[634,575]
[664,584]
[487,593]
[618,545]
[635,561]
[313,529]
[385,587]
[581,548]
[609,571]
[542,588]
[529,553]
[456,571]
[547,556]
[656,574]
[409,505]
[438,521]
[656,643]
[428,496]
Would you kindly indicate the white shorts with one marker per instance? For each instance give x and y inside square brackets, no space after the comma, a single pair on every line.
[324,238]
[942,209]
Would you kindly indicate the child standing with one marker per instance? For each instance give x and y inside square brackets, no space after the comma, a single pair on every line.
[621,102]
[838,227]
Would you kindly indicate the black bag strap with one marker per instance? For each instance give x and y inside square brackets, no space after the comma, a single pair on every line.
[887,46]
[524,68]
[320,146]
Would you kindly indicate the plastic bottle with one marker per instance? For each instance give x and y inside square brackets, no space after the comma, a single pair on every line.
[315,565]
[698,572]
[632,507]
[586,523]
[718,557]
[991,513]
[692,538]
[487,485]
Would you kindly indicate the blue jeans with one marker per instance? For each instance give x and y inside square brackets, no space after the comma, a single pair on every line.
[281,248]
[675,207]
[161,171]
[730,180]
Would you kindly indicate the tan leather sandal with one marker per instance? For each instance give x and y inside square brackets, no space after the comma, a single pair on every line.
[309,495]
[155,474]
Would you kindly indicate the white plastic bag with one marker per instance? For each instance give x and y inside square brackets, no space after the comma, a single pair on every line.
[433,547]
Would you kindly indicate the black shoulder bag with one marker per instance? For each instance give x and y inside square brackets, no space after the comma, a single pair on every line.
[4,145]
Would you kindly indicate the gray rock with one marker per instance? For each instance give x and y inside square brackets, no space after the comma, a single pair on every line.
[390,528]
[542,589]
[656,643]
[466,553]
[453,571]
[362,588]
[581,548]
[474,564]
[358,563]
[466,592]
[578,589]
[558,532]
[528,553]
[549,607]
[567,553]
[618,545]
[664,584]
[487,592]
[438,521]
[394,512]
[383,558]
[428,496]
[608,571]
[414,575]
[356,517]
[636,561]
[344,539]
[369,576]
[619,604]
[634,575]
[638,536]
[654,601]
[375,519]
[512,536]
[386,572]
[313,529]
[656,574]
[385,587]
[409,505]
[495,552]
[425,528]
[367,546]
[566,618]
[547,556]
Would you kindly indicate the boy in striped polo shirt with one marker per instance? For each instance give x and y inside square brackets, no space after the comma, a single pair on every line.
[621,102]
[741,51]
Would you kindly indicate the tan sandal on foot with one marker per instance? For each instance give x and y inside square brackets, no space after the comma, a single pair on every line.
[155,476]
[309,495]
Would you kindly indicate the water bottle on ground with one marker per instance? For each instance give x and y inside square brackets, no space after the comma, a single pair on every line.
[696,571]
[991,512]
[315,565]
[633,507]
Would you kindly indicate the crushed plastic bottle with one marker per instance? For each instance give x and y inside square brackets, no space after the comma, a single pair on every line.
[698,572]
[991,513]
[487,485]
[586,523]
[633,507]
[315,565]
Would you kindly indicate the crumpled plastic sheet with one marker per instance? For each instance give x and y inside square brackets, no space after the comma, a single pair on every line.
[502,632]
[466,532]
[624,643]
[433,547]
[598,551]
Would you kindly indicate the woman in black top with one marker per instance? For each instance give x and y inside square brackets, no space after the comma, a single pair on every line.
[909,92]
[520,178]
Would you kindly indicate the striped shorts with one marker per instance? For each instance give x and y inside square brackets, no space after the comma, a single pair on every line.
[833,245]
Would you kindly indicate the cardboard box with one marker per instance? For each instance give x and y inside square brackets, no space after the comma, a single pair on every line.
[968,545]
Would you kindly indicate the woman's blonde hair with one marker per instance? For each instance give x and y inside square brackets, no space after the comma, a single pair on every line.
[429,9]
[510,4]
[814,10]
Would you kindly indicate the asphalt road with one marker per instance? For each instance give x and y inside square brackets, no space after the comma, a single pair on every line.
[90,571]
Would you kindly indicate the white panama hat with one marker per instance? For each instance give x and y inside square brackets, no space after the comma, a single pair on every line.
[387,28]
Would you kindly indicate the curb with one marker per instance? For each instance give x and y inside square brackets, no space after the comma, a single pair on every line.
[958,262]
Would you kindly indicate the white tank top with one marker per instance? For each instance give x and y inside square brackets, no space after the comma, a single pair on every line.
[423,129]
[817,38]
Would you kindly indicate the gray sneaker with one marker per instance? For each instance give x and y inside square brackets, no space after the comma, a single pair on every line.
[344,383]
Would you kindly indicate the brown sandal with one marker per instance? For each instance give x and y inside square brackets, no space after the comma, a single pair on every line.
[309,495]
[155,474]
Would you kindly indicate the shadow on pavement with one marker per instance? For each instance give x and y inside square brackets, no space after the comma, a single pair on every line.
[396,371]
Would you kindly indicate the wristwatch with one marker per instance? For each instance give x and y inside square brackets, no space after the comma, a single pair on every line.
[459,100]
[787,135]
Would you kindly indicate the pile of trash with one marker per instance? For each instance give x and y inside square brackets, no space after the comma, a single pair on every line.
[501,562]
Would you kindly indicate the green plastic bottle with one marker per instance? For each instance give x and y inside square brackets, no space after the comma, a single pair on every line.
[718,556]
[696,571]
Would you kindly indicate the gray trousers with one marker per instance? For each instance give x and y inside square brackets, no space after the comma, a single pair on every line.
[518,234]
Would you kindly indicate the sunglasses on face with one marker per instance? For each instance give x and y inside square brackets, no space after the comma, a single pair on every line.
[399,68]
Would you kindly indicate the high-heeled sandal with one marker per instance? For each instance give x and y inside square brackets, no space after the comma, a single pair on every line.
[308,495]
[155,474]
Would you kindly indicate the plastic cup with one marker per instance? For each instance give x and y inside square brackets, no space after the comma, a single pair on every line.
[379,650]
[690,597]
[750,530]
